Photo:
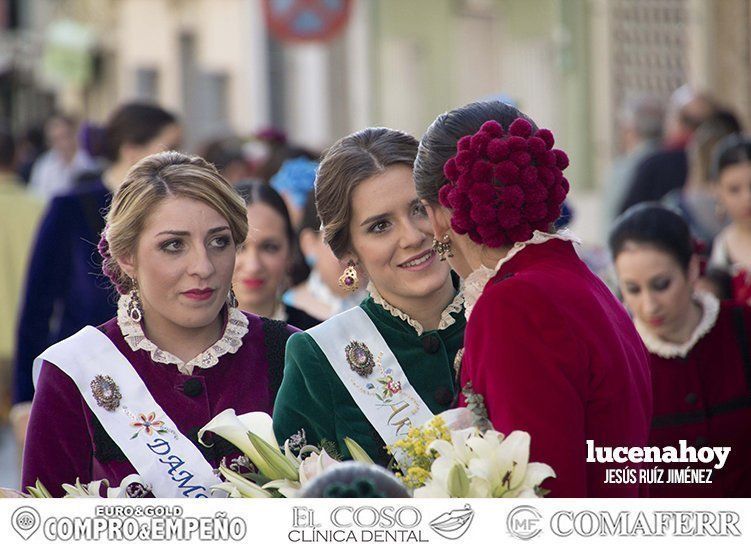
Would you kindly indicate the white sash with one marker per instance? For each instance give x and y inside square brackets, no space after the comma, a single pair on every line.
[164,458]
[385,397]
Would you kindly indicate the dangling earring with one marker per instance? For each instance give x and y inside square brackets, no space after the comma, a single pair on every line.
[349,280]
[232,299]
[443,247]
[135,310]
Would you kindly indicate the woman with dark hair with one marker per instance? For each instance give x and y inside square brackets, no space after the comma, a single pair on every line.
[372,372]
[699,347]
[264,261]
[64,287]
[732,249]
[696,201]
[317,290]
[547,346]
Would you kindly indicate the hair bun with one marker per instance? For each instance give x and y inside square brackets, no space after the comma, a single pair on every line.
[503,185]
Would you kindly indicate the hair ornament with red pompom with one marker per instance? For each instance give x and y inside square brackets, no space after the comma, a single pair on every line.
[504,185]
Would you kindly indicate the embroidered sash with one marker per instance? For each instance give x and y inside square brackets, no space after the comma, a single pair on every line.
[371,373]
[165,458]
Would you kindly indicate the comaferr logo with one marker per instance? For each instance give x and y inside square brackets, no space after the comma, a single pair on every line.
[662,523]
[524,522]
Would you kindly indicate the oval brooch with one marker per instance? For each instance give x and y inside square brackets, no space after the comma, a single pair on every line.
[106,392]
[360,358]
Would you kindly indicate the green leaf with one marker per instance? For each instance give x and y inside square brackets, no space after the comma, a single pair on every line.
[280,467]
[357,452]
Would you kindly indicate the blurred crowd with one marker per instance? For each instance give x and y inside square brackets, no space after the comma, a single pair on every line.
[690,155]
[57,180]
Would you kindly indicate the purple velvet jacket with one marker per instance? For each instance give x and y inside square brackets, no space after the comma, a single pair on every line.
[65,440]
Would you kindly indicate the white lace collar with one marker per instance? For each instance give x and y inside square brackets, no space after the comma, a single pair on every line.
[475,283]
[446,318]
[710,309]
[230,342]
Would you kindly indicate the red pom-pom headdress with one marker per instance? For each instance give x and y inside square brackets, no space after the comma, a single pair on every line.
[504,185]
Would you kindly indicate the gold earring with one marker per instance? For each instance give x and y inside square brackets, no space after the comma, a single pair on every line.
[349,280]
[443,247]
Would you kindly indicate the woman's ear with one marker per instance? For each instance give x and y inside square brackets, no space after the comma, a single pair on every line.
[128,266]
[439,217]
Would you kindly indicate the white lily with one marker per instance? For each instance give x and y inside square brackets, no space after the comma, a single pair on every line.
[79,490]
[236,430]
[286,488]
[503,463]
[38,491]
[445,482]
[237,486]
[8,493]
[313,465]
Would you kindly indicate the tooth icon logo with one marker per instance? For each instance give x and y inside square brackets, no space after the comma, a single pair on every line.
[452,525]
[25,521]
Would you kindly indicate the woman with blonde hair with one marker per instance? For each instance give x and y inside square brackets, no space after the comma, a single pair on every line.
[372,372]
[130,395]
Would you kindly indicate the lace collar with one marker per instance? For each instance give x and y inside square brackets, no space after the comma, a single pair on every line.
[230,342]
[475,283]
[446,321]
[710,309]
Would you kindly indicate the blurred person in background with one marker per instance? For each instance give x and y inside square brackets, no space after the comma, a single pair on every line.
[18,223]
[640,125]
[294,182]
[732,248]
[267,150]
[667,168]
[64,289]
[319,294]
[264,262]
[228,157]
[699,347]
[697,200]
[56,170]
[29,147]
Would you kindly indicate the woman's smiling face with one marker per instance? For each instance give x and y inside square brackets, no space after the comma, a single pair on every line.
[391,237]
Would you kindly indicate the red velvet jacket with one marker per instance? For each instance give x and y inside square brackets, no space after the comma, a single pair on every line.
[555,354]
[705,398]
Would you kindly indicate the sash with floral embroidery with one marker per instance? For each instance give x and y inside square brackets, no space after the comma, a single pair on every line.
[371,373]
[166,460]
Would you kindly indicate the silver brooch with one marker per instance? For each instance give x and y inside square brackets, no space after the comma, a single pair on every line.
[360,358]
[106,392]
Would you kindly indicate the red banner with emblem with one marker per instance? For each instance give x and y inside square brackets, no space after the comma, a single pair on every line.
[306,20]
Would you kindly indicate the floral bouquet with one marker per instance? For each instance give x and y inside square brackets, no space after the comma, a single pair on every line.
[131,487]
[455,454]
[280,471]
[448,458]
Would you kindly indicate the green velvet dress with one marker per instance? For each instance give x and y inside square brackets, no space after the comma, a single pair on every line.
[313,398]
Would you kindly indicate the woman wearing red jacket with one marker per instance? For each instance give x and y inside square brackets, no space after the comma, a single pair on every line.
[547,345]
[699,348]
